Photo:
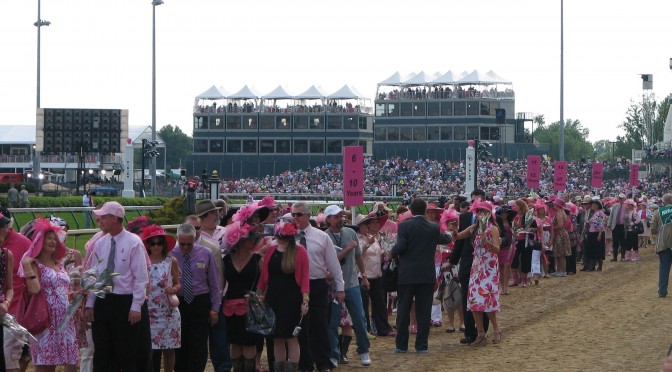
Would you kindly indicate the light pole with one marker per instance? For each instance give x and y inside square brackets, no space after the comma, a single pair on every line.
[40,22]
[152,161]
[561,141]
[147,152]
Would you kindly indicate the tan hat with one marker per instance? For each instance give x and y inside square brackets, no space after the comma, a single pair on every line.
[586,199]
[205,206]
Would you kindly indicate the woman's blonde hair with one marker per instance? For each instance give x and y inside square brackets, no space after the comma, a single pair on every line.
[288,263]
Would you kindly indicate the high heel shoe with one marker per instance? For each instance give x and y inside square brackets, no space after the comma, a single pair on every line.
[498,337]
[480,341]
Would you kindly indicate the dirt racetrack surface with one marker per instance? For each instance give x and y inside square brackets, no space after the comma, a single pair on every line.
[593,321]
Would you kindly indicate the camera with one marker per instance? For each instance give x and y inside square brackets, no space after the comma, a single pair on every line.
[296,331]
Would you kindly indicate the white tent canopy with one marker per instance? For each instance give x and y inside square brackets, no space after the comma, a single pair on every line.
[244,93]
[476,77]
[213,93]
[500,79]
[278,93]
[312,93]
[447,78]
[344,93]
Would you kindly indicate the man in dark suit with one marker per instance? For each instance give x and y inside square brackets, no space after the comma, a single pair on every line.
[463,252]
[417,239]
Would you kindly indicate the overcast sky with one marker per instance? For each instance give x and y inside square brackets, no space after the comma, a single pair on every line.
[97,54]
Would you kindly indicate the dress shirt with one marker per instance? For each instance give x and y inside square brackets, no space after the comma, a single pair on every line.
[129,262]
[322,257]
[217,236]
[205,278]
[372,257]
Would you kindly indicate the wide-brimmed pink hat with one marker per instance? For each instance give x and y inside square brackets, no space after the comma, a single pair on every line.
[405,216]
[449,215]
[42,227]
[558,202]
[434,207]
[630,202]
[481,205]
[152,231]
[380,216]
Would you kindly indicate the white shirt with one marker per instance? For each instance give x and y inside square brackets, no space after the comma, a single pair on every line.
[322,256]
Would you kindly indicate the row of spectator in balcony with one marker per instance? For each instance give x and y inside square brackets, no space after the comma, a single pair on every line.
[314,146]
[441,93]
[435,133]
[660,151]
[251,108]
[281,122]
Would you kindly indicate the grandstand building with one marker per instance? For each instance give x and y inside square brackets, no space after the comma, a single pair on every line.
[432,116]
[247,134]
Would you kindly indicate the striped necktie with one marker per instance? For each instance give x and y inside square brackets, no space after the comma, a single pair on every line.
[111,257]
[187,290]
[302,239]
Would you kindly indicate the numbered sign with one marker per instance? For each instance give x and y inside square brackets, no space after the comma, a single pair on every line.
[353,176]
[560,176]
[634,175]
[596,177]
[533,171]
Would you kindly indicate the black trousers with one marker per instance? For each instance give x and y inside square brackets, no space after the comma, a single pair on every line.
[313,340]
[193,355]
[571,261]
[423,294]
[631,241]
[470,330]
[2,356]
[618,236]
[120,346]
[376,298]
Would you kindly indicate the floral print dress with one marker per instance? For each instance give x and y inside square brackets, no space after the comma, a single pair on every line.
[483,295]
[164,320]
[53,347]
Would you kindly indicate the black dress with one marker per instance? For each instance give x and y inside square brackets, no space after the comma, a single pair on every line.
[239,284]
[284,297]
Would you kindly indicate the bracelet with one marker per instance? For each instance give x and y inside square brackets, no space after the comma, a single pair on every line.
[306,298]
[31,277]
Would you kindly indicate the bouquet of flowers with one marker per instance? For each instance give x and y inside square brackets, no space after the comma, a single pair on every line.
[16,329]
[387,242]
[90,282]
[483,223]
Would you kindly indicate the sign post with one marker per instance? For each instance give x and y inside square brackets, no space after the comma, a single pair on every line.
[470,169]
[128,191]
[560,175]
[533,171]
[597,175]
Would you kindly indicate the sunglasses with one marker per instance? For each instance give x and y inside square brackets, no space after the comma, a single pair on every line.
[185,244]
[197,228]
[155,242]
[299,214]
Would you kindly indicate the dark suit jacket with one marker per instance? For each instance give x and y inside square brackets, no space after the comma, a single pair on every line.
[463,251]
[417,239]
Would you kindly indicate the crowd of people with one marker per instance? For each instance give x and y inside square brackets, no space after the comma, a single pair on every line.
[330,279]
[432,178]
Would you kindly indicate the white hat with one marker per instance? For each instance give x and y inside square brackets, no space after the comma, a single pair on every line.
[112,208]
[332,210]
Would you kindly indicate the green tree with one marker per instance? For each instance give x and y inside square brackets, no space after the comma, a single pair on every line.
[576,138]
[643,124]
[602,150]
[179,144]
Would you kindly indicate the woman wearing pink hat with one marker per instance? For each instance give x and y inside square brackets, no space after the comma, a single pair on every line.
[164,283]
[560,238]
[483,295]
[43,270]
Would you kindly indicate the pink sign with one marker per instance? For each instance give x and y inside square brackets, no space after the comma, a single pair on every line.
[634,175]
[596,178]
[533,171]
[560,176]
[353,176]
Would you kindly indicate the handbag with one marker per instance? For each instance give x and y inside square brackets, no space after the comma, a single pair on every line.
[638,228]
[259,318]
[391,275]
[33,312]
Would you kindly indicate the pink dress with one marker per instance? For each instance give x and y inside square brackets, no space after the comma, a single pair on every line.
[52,347]
[164,320]
[483,293]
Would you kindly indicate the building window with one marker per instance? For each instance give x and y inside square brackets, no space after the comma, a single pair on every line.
[493,108]
[200,145]
[300,122]
[447,133]
[250,146]
[433,108]
[283,146]
[334,146]
[350,143]
[317,123]
[490,133]
[300,146]
[393,133]
[218,122]
[380,134]
[419,109]
[459,133]
[406,133]
[406,109]
[233,122]
[363,123]
[460,108]
[446,109]
[267,122]
[350,122]
[282,123]
[380,109]
[266,146]
[433,133]
[335,122]
[233,146]
[419,134]
[250,122]
[472,132]
[216,146]
[473,108]
[485,108]
[392,109]
[317,146]
[200,122]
